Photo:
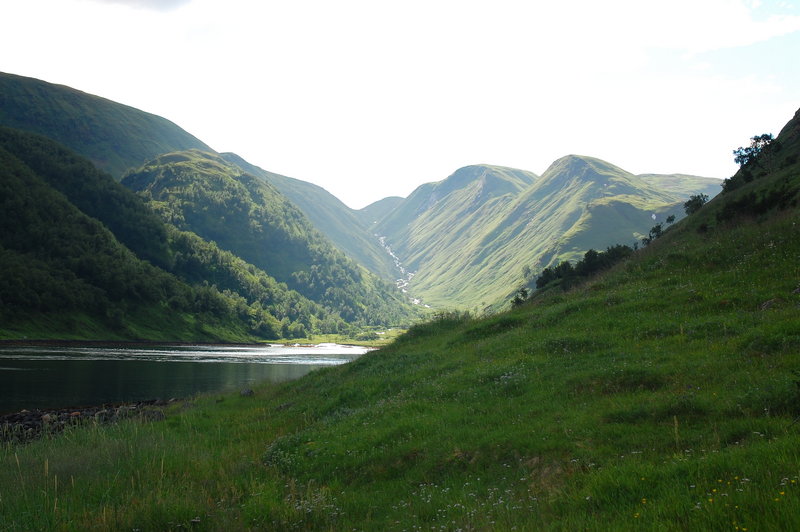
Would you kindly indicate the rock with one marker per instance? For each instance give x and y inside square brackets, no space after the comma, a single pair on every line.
[766,305]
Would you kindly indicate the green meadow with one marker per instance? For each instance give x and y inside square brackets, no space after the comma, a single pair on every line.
[663,395]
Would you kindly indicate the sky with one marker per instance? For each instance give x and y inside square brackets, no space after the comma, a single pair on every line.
[371,98]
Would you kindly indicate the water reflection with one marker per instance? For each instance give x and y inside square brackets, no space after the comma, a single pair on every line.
[51,377]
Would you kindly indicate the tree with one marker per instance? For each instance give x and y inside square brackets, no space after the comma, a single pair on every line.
[519,297]
[746,156]
[694,203]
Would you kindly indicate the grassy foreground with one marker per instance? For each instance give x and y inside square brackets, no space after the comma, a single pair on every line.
[662,396]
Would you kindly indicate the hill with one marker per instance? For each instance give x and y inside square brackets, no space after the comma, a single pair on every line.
[113,136]
[342,225]
[118,138]
[472,237]
[684,185]
[203,193]
[65,274]
[222,287]
[373,212]
[661,395]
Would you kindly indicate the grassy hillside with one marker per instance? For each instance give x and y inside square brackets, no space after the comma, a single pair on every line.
[372,213]
[202,193]
[471,248]
[343,227]
[684,185]
[113,136]
[661,396]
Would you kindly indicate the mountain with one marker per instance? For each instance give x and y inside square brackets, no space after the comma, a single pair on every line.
[118,138]
[373,212]
[684,185]
[182,272]
[464,241]
[113,136]
[63,271]
[341,224]
[472,237]
[203,193]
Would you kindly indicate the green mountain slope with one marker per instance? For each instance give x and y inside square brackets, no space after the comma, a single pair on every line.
[432,204]
[202,193]
[63,273]
[684,185]
[470,248]
[330,216]
[253,304]
[113,136]
[117,138]
[374,212]
[662,395]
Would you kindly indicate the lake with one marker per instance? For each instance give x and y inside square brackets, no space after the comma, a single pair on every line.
[71,376]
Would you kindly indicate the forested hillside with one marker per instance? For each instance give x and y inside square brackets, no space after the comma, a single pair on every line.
[63,273]
[201,192]
[118,138]
[343,226]
[84,257]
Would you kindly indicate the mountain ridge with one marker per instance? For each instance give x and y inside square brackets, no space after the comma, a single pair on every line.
[114,136]
[471,251]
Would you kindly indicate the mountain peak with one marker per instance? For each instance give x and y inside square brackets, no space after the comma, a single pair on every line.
[583,168]
[492,180]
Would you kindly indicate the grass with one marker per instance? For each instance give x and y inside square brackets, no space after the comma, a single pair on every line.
[664,395]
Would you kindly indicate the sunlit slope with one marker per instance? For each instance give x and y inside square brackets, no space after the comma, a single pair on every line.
[439,228]
[115,137]
[374,212]
[470,241]
[684,185]
[330,216]
[247,216]
[584,201]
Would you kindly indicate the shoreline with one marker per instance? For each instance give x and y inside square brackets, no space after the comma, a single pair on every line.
[129,343]
[27,425]
[151,343]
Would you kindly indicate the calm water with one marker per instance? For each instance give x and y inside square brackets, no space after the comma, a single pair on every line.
[56,377]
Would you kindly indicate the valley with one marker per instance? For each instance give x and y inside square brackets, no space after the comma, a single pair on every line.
[471,240]
[660,394]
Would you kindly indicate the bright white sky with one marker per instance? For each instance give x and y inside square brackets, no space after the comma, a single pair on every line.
[371,98]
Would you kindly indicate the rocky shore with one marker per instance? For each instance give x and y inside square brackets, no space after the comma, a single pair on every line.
[27,425]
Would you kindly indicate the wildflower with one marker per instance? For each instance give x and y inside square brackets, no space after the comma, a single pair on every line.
[644,501]
[636,515]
